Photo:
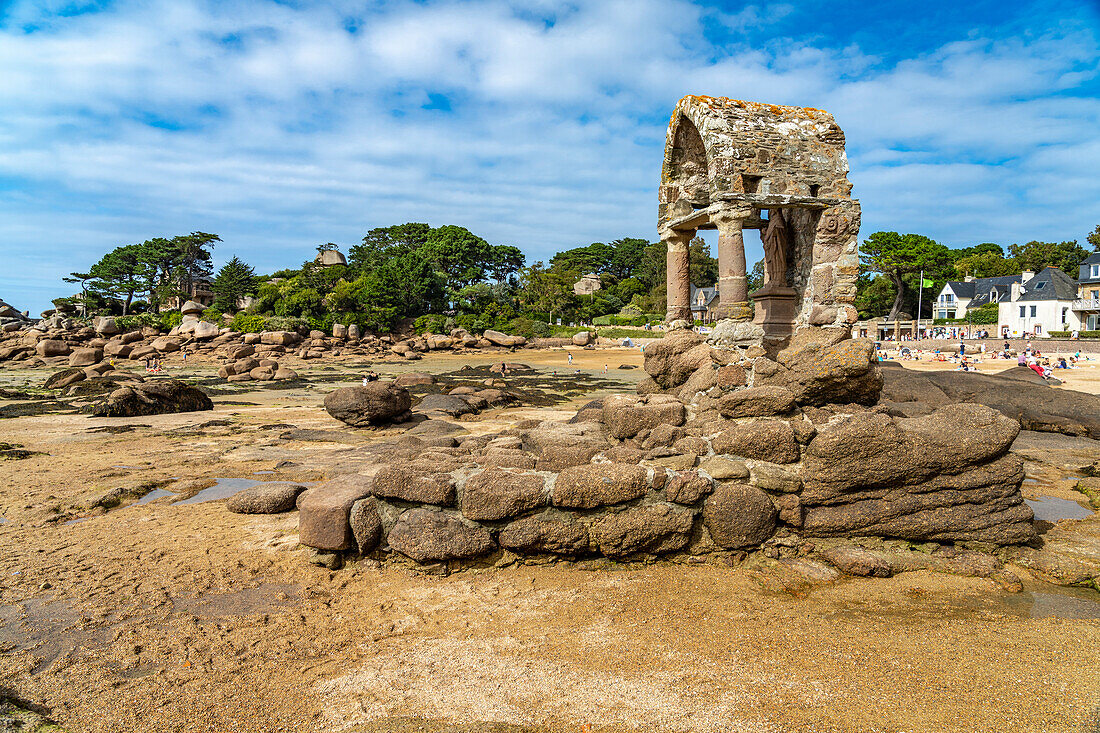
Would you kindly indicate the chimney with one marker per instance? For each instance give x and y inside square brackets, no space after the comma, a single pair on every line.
[1026,275]
[968,279]
[1014,292]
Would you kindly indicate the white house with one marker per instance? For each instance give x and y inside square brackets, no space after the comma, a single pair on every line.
[1041,304]
[959,296]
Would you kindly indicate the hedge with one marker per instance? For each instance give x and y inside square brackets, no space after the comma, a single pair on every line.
[1069,334]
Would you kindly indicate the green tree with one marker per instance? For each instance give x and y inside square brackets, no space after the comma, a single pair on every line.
[235,280]
[545,290]
[1036,255]
[120,274]
[985,264]
[504,261]
[82,278]
[756,276]
[458,253]
[874,295]
[383,243]
[1094,238]
[593,257]
[898,255]
[161,257]
[627,255]
[702,268]
[193,258]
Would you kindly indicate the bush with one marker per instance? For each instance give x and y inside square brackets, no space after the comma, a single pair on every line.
[212,315]
[170,319]
[627,320]
[247,323]
[141,320]
[1058,334]
[633,333]
[282,323]
[528,328]
[431,323]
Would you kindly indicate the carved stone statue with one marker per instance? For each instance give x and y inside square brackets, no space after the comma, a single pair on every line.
[776,239]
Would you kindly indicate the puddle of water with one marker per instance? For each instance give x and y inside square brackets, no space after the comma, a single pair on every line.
[1060,605]
[224,489]
[128,468]
[78,520]
[263,598]
[258,473]
[1031,480]
[153,496]
[1051,509]
[4,520]
[227,487]
[49,629]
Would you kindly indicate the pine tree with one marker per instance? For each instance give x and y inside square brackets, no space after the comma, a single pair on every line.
[234,281]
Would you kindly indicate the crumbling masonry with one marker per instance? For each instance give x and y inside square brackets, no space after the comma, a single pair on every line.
[727,164]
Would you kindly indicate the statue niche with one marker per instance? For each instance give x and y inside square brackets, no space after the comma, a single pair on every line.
[776,301]
[776,238]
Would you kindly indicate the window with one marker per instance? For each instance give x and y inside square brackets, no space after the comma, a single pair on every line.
[1065,311]
[1094,271]
[992,296]
[1040,286]
[1032,311]
[1096,294]
[1023,311]
[1038,328]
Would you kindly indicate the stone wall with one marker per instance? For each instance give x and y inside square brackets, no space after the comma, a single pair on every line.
[727,452]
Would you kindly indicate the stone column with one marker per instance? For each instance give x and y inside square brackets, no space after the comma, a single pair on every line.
[733,283]
[677,280]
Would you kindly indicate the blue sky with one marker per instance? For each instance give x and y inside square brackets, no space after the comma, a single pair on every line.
[282,125]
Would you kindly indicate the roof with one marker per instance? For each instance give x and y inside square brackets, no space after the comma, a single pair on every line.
[1083,273]
[709,294]
[992,294]
[1050,284]
[965,289]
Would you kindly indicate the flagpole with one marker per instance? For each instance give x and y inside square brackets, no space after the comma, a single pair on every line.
[920,297]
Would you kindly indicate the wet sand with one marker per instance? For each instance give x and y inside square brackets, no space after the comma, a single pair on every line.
[173,617]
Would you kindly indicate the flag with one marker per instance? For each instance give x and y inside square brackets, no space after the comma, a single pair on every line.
[926,283]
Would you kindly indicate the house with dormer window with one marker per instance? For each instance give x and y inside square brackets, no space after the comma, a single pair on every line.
[704,303]
[1040,304]
[959,296]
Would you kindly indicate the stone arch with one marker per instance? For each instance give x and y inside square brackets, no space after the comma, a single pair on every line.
[685,174]
[733,165]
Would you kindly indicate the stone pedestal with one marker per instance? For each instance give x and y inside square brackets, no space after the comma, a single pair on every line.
[776,308]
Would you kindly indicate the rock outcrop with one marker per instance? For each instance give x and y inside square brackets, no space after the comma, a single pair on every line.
[152,398]
[1036,405]
[375,403]
[946,476]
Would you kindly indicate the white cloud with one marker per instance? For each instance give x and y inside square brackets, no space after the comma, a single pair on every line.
[294,131]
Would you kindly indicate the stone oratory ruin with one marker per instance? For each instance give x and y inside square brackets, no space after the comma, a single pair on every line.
[732,165]
[766,439]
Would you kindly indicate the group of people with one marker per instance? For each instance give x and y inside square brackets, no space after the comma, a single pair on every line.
[1029,357]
